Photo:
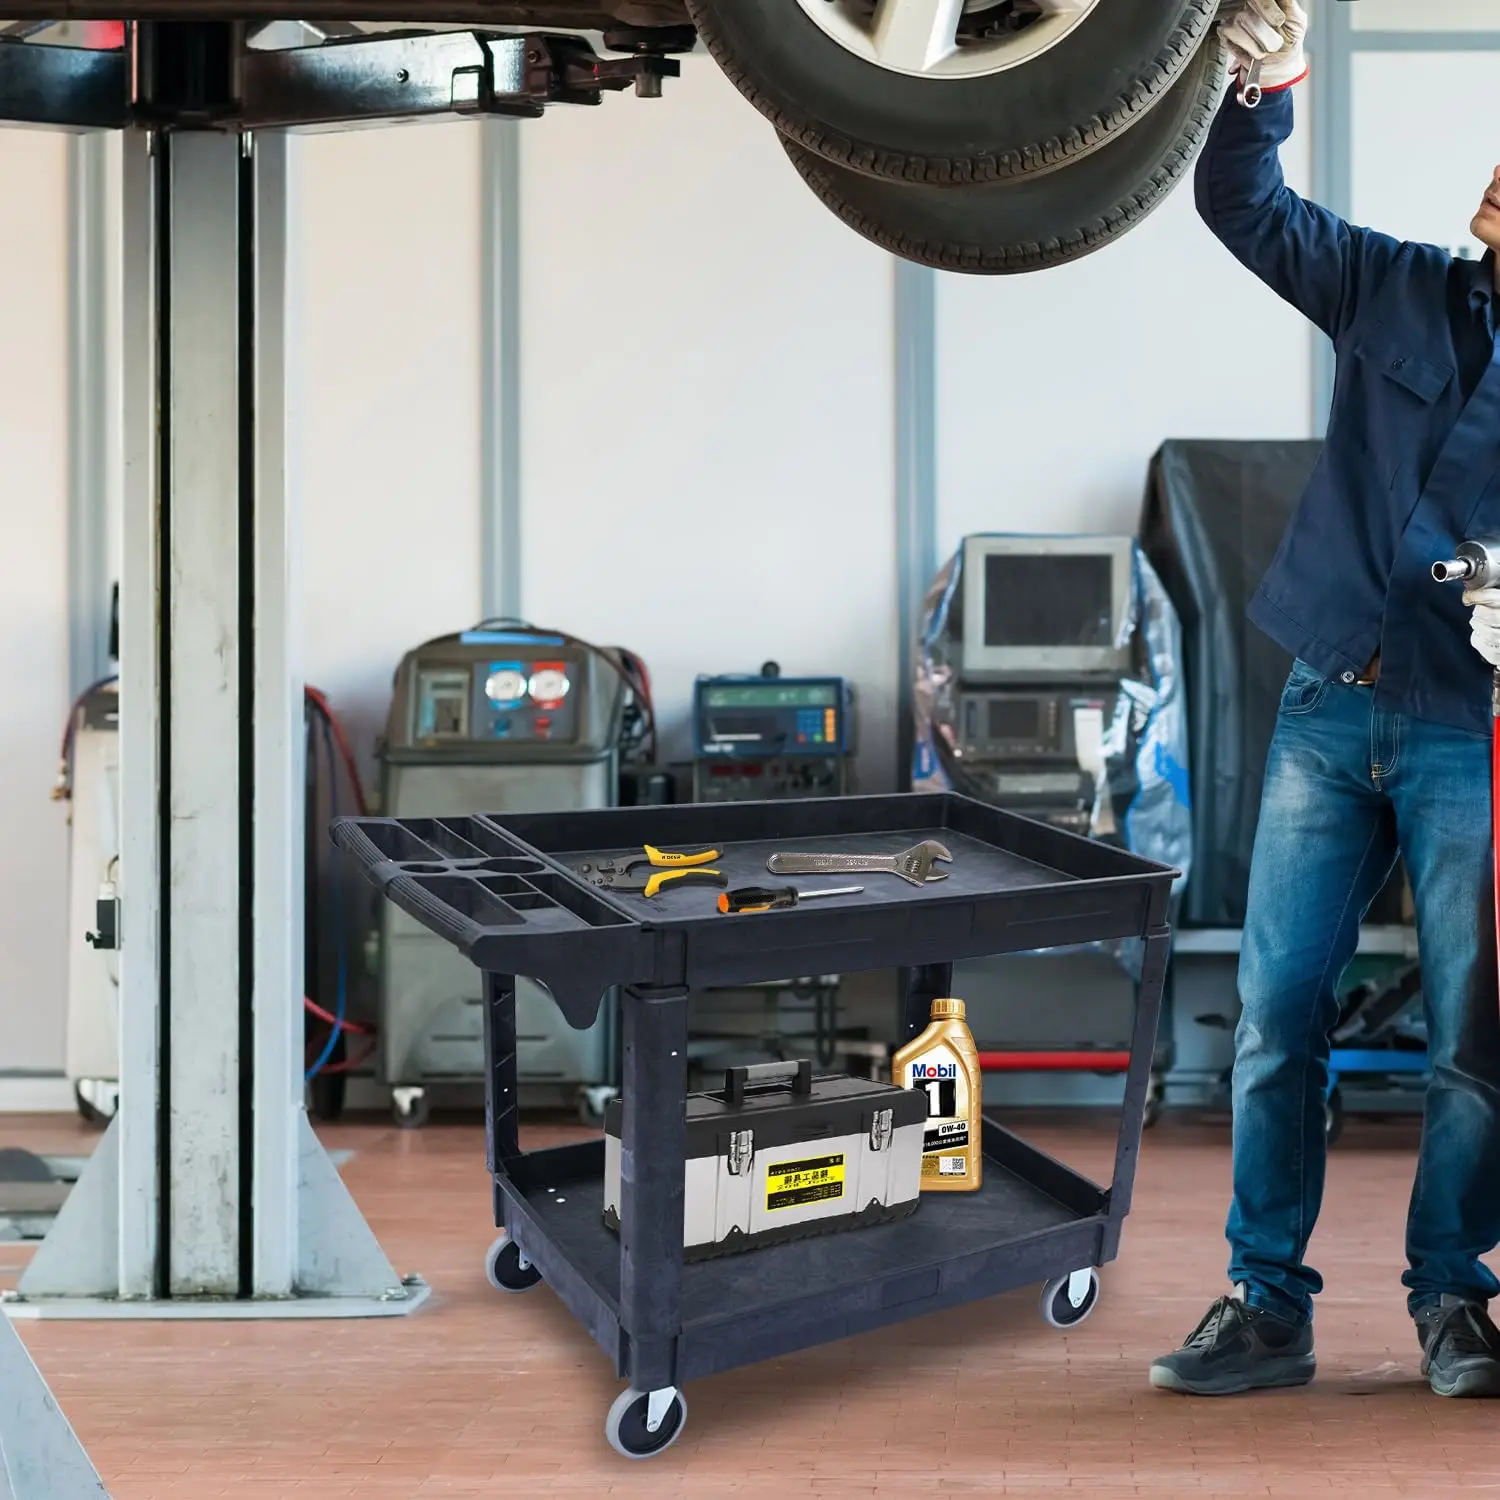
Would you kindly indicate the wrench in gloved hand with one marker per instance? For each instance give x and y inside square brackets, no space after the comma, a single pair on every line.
[1251,92]
[1267,45]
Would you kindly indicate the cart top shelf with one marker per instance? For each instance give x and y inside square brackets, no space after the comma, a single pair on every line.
[505,889]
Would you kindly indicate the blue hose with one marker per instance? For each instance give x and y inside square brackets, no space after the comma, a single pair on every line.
[341,1009]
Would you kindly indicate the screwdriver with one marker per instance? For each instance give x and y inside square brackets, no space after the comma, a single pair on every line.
[748,898]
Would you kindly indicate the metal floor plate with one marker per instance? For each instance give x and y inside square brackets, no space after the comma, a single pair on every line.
[90,1309]
[28,1209]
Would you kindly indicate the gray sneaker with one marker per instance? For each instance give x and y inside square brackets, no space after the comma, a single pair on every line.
[1238,1348]
[1460,1348]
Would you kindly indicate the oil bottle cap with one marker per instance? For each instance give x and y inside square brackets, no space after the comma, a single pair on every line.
[947,1010]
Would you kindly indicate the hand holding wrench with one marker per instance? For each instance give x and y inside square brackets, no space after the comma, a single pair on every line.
[1251,92]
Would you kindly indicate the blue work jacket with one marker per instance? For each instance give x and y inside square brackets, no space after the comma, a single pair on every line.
[1411,463]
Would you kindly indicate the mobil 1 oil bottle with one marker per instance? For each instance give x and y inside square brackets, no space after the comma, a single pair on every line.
[943,1064]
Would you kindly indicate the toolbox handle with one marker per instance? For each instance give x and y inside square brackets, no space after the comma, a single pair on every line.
[798,1074]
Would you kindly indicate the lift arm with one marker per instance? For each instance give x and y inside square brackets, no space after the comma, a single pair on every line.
[338,82]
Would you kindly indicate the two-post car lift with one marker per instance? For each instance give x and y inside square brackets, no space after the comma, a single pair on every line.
[210,1196]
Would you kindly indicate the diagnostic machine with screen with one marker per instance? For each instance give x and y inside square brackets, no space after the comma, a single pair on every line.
[1044,644]
[1042,606]
[766,737]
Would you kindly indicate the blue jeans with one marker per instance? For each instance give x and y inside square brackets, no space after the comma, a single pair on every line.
[1347,788]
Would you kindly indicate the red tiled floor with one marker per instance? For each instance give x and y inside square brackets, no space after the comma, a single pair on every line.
[479,1395]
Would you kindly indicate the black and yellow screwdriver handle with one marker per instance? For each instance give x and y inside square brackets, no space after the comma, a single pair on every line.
[752,898]
[660,879]
[670,859]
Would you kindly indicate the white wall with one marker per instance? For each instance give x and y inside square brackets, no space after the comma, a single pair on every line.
[1429,15]
[33,598]
[383,458]
[114,436]
[383,371]
[1055,389]
[1420,171]
[707,389]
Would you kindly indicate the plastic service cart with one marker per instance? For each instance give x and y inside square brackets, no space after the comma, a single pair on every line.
[503,889]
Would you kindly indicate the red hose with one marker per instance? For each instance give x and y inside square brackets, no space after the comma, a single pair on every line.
[320,702]
[314,1009]
[345,749]
[1081,1061]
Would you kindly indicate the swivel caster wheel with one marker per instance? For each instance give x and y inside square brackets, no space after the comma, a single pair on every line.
[1068,1300]
[1156,1099]
[409,1108]
[97,1099]
[642,1424]
[592,1103]
[507,1270]
[1333,1116]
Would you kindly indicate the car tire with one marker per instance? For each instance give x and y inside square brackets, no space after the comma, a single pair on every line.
[999,229]
[1056,106]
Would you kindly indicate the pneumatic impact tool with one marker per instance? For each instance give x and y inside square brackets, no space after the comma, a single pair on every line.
[1477,566]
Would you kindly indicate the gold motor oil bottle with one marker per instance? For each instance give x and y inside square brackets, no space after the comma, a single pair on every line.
[943,1063]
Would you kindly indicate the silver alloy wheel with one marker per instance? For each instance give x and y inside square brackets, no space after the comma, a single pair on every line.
[947,38]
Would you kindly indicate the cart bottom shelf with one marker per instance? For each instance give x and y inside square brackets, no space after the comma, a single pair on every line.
[956,1248]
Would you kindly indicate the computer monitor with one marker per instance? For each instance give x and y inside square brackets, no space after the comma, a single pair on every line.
[1045,606]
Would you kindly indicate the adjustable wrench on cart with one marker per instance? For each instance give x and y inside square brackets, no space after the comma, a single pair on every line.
[914,865]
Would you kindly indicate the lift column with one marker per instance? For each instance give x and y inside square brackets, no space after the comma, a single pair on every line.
[209,1195]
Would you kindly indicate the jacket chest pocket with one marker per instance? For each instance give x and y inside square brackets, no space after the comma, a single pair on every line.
[1423,379]
[1399,411]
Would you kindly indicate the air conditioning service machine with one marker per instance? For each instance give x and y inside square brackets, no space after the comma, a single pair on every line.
[502,719]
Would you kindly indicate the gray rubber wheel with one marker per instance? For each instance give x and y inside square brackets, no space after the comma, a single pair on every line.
[88,1094]
[1333,1117]
[412,1115]
[997,229]
[1057,1306]
[625,1425]
[951,120]
[503,1267]
[1156,1099]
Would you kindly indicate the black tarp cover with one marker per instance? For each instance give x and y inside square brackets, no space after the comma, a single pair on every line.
[1213,517]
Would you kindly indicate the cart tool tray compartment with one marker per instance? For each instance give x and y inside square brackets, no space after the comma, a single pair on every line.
[806,1157]
[504,888]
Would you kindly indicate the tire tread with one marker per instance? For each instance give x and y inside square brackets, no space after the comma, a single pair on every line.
[1045,155]
[1025,255]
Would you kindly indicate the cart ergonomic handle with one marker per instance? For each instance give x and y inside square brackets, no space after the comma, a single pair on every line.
[797,1074]
[433,912]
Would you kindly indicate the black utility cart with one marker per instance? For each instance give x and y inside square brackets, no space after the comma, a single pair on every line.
[505,890]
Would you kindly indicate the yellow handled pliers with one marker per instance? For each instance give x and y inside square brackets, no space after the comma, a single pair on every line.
[650,873]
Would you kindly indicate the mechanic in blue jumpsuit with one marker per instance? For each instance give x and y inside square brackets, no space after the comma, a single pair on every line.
[1381,749]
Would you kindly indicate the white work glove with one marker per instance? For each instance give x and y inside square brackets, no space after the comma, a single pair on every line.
[1270,33]
[1485,633]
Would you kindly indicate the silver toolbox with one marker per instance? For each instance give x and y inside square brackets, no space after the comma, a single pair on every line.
[779,1155]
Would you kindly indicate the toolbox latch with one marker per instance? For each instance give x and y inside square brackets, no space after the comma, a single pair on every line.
[882,1128]
[741,1151]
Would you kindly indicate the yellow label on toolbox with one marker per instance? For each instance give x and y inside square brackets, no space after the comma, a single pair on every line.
[790,1184]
